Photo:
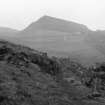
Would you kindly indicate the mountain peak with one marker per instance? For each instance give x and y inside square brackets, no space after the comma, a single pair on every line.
[47,18]
[55,24]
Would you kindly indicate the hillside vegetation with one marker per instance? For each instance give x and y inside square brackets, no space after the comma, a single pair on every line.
[30,77]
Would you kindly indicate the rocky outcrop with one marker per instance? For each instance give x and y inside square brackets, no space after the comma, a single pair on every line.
[24,59]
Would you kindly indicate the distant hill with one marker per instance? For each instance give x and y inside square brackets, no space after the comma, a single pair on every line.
[5,30]
[7,33]
[55,24]
[63,38]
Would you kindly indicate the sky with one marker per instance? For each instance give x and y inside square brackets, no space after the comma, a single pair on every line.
[18,14]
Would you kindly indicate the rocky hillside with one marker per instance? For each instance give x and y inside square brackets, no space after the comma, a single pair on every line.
[30,77]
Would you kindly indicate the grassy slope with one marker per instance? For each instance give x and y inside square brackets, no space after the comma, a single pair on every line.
[29,85]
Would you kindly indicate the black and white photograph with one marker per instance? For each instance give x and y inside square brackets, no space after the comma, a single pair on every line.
[52,52]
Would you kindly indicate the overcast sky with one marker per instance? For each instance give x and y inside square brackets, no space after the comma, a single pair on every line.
[20,13]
